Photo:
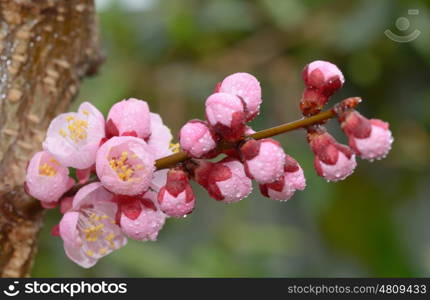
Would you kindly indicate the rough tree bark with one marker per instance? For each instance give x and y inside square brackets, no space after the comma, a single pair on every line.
[46,47]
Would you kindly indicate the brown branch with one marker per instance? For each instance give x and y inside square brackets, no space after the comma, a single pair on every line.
[322,117]
[46,47]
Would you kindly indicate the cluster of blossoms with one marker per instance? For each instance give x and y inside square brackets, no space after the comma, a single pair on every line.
[369,139]
[118,192]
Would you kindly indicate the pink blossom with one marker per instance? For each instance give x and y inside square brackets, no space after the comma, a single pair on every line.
[176,198]
[201,171]
[263,159]
[333,161]
[322,79]
[125,165]
[88,230]
[74,138]
[227,181]
[129,117]
[139,216]
[284,188]
[46,179]
[197,139]
[225,113]
[160,138]
[324,76]
[371,139]
[248,88]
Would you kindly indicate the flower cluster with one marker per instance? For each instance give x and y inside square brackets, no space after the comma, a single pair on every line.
[369,139]
[110,184]
[117,183]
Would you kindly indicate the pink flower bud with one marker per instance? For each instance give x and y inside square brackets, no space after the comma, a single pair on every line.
[323,76]
[125,165]
[46,179]
[88,229]
[284,188]
[129,117]
[225,113]
[371,139]
[74,138]
[176,198]
[322,79]
[248,88]
[202,171]
[264,160]
[333,161]
[139,217]
[312,102]
[227,181]
[197,139]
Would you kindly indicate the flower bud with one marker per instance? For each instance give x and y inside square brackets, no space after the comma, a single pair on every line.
[47,180]
[197,139]
[263,159]
[201,171]
[246,87]
[139,217]
[130,118]
[370,139]
[225,113]
[284,188]
[227,181]
[323,76]
[125,165]
[322,79]
[333,161]
[176,198]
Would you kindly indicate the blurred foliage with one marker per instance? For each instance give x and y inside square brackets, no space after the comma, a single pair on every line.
[171,54]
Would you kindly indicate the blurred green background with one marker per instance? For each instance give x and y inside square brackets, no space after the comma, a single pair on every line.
[172,53]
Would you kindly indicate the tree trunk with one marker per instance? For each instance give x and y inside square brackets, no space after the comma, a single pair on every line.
[46,47]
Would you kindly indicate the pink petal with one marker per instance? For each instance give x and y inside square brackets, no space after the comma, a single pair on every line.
[76,148]
[160,138]
[140,159]
[131,115]
[248,88]
[147,225]
[197,139]
[47,187]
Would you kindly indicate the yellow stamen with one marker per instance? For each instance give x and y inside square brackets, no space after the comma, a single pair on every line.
[175,147]
[122,167]
[92,233]
[54,161]
[77,129]
[90,253]
[63,133]
[47,170]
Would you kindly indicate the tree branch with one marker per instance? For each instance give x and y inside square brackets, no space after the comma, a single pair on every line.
[46,47]
[320,118]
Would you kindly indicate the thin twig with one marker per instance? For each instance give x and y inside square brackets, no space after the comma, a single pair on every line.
[322,117]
